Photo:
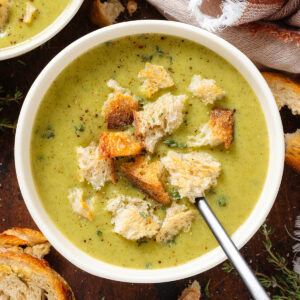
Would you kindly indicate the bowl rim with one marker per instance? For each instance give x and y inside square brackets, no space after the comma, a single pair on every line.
[45,35]
[207,261]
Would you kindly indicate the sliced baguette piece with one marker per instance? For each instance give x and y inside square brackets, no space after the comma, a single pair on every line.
[218,130]
[23,276]
[285,91]
[131,7]
[94,170]
[154,78]
[133,218]
[147,176]
[159,118]
[178,217]
[4,12]
[192,292]
[192,173]
[292,149]
[106,13]
[116,144]
[119,106]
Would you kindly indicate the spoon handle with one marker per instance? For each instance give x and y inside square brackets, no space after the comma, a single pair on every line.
[231,251]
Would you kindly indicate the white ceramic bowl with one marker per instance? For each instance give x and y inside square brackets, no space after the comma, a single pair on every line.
[59,23]
[63,59]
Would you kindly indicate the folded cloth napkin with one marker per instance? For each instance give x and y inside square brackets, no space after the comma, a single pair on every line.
[267,31]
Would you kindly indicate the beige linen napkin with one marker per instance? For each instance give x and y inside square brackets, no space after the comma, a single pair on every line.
[267,31]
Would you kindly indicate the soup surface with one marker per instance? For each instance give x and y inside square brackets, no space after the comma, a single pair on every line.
[75,99]
[17,31]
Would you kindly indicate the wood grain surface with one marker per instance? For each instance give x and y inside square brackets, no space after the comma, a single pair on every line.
[21,72]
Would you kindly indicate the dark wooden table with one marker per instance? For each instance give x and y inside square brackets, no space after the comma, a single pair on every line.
[21,72]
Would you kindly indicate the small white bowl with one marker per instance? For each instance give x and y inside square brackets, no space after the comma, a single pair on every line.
[63,59]
[59,23]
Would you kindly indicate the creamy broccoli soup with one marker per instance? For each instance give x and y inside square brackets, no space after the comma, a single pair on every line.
[70,116]
[25,19]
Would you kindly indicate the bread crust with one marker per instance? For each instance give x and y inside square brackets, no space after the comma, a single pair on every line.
[30,265]
[146,176]
[32,237]
[292,150]
[192,292]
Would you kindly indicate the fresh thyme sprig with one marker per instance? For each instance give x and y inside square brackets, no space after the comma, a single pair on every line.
[284,280]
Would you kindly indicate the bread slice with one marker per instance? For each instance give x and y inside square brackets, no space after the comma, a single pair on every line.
[106,13]
[23,276]
[119,106]
[24,240]
[133,218]
[178,218]
[116,144]
[205,89]
[192,292]
[218,130]
[95,171]
[84,208]
[292,149]
[154,77]
[285,91]
[159,118]
[147,177]
[4,12]
[192,173]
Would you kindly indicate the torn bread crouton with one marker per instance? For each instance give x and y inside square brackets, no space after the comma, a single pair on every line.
[178,217]
[192,292]
[30,12]
[285,91]
[119,106]
[147,176]
[23,276]
[131,7]
[24,240]
[292,149]
[192,173]
[95,171]
[115,144]
[84,208]
[105,13]
[218,130]
[154,77]
[159,118]
[133,218]
[4,12]
[205,89]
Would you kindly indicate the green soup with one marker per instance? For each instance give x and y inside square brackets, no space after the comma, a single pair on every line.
[16,31]
[76,97]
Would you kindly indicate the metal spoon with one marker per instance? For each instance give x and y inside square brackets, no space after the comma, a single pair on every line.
[231,251]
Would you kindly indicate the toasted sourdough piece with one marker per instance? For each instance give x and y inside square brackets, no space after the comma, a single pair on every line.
[23,276]
[84,208]
[132,217]
[285,91]
[178,218]
[119,106]
[205,89]
[24,240]
[218,130]
[30,12]
[4,12]
[104,14]
[292,149]
[192,173]
[159,118]
[131,7]
[147,176]
[154,77]
[95,171]
[192,292]
[116,144]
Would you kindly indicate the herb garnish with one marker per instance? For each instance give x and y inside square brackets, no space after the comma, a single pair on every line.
[153,120]
[221,201]
[159,51]
[80,128]
[99,232]
[175,195]
[108,43]
[173,144]
[148,265]
[172,241]
[147,58]
[140,242]
[171,60]
[142,100]
[48,133]
[142,214]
